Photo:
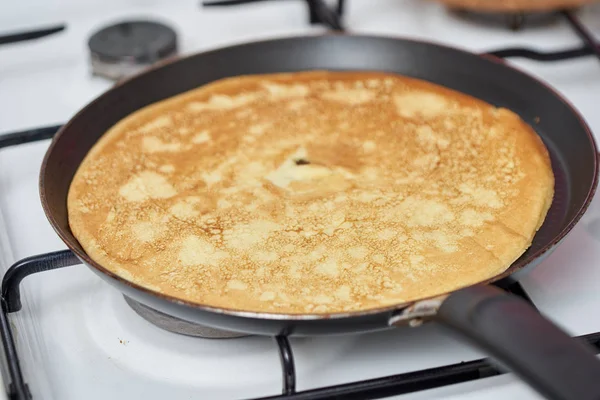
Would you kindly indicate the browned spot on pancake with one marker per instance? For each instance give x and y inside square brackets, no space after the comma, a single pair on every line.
[152,144]
[350,96]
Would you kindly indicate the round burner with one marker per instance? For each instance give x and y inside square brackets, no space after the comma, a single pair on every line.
[125,48]
[177,325]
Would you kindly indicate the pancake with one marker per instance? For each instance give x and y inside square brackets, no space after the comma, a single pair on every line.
[312,192]
[515,5]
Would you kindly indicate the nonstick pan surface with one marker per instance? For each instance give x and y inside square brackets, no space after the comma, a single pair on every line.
[568,139]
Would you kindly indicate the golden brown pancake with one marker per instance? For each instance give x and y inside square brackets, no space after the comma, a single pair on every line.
[515,5]
[312,192]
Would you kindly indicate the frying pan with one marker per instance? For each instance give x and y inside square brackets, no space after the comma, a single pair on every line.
[504,326]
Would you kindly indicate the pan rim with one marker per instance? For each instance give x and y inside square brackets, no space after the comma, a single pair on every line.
[86,259]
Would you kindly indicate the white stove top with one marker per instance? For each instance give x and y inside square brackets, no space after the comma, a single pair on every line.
[77,337]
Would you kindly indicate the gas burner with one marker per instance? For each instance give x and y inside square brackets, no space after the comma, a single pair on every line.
[176,325]
[513,20]
[124,49]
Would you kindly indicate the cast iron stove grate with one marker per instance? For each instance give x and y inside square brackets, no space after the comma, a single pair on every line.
[366,389]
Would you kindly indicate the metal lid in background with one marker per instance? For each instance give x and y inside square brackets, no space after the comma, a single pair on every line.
[125,48]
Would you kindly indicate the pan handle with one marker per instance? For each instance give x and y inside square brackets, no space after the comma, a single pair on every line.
[514,333]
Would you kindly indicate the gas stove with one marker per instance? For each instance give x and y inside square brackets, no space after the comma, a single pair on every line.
[76,337]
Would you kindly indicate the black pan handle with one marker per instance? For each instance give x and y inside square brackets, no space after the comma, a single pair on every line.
[514,333]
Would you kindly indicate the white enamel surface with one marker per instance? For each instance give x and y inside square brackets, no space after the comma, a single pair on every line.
[77,337]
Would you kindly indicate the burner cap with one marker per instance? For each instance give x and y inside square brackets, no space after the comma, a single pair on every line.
[125,48]
[177,325]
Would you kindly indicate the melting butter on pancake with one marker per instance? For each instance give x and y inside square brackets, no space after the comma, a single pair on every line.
[312,192]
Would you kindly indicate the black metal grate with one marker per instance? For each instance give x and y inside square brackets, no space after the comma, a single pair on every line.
[319,12]
[31,35]
[367,389]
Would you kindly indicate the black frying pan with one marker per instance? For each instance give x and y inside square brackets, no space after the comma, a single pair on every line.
[504,326]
